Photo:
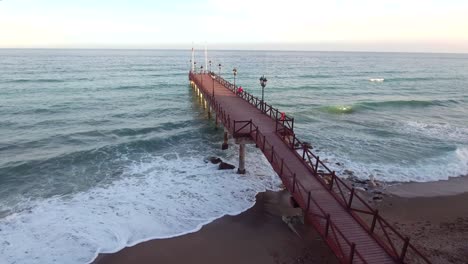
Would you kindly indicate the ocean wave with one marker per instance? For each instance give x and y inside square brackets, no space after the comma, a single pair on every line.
[35,81]
[356,107]
[91,144]
[415,79]
[406,103]
[165,197]
[316,76]
[339,109]
[376,79]
[312,87]
[441,131]
[450,164]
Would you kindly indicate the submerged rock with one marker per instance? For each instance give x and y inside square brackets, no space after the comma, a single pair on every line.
[226,166]
[215,160]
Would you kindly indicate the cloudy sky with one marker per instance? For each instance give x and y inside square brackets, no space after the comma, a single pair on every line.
[373,25]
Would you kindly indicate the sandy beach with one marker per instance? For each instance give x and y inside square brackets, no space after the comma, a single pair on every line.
[436,221]
[258,235]
[434,215]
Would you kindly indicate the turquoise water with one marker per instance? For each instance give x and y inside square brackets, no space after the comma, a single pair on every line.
[100,149]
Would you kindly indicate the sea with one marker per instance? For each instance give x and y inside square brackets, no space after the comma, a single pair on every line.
[103,149]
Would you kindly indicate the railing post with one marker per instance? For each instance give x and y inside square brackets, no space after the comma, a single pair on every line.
[294,183]
[332,180]
[281,171]
[351,254]
[292,124]
[294,141]
[351,198]
[316,164]
[263,148]
[308,201]
[256,135]
[272,153]
[250,125]
[234,129]
[374,221]
[404,250]
[303,151]
[327,225]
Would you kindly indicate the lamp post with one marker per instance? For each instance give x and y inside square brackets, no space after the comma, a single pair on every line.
[263,82]
[234,71]
[201,71]
[210,66]
[219,65]
[195,66]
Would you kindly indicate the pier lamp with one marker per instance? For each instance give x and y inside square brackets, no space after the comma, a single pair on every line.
[201,71]
[263,82]
[210,66]
[234,71]
[219,65]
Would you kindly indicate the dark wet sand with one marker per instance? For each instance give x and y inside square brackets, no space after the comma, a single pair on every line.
[258,235]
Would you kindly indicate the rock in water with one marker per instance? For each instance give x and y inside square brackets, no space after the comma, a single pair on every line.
[214,160]
[226,166]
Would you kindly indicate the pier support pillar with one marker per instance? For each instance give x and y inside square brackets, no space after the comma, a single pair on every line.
[241,169]
[209,112]
[225,143]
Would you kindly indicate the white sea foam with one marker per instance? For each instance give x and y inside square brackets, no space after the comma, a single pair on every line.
[376,79]
[166,197]
[432,169]
[442,131]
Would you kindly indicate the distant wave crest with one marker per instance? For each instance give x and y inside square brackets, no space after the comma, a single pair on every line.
[352,108]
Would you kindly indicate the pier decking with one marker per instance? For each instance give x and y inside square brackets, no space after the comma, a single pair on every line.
[354,231]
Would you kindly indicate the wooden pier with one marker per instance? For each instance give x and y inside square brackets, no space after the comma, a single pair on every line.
[354,231]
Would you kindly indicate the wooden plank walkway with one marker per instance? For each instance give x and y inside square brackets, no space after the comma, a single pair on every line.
[337,224]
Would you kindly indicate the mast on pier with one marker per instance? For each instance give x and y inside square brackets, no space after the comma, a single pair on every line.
[193,59]
[206,57]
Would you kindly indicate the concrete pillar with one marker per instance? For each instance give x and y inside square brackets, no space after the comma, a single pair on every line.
[225,143]
[209,112]
[241,169]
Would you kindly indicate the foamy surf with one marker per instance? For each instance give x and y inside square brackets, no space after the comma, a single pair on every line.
[452,164]
[376,79]
[166,197]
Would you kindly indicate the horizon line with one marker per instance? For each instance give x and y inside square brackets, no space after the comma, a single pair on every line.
[237,50]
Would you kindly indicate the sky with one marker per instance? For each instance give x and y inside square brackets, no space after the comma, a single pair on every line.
[357,25]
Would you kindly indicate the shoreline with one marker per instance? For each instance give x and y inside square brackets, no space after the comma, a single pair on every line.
[451,186]
[433,214]
[100,255]
[257,235]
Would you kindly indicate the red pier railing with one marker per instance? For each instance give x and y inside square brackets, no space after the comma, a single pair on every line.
[397,246]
